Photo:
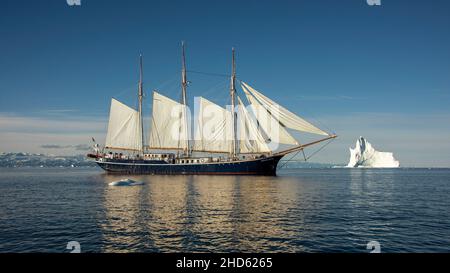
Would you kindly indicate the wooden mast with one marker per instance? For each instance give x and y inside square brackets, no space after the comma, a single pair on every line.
[233,103]
[184,84]
[140,96]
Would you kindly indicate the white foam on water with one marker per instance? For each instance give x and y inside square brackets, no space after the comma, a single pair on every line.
[125,183]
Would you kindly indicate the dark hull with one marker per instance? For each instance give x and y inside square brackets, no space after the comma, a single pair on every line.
[261,166]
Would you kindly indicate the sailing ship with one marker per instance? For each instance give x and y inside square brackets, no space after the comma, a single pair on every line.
[237,140]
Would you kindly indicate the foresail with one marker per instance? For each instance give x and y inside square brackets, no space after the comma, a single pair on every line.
[271,127]
[284,116]
[250,138]
[168,128]
[213,128]
[124,131]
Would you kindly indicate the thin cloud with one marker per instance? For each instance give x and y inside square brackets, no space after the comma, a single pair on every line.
[57,111]
[49,134]
[17,124]
[79,147]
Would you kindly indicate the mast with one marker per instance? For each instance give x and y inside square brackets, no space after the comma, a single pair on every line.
[233,103]
[184,96]
[140,96]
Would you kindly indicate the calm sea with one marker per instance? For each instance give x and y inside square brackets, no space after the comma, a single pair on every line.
[302,210]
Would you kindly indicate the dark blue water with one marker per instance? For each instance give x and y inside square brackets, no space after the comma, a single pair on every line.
[305,210]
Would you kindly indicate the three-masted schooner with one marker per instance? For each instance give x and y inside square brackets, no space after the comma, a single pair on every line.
[237,140]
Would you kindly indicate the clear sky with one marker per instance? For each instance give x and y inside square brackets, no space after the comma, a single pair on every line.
[377,71]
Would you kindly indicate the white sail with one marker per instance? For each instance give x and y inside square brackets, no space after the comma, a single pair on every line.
[276,133]
[284,116]
[124,130]
[213,129]
[168,124]
[250,138]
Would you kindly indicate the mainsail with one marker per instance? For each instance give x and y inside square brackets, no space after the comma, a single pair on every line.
[284,116]
[124,130]
[168,128]
[213,129]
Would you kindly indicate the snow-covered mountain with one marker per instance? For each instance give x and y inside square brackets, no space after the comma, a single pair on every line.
[364,155]
[41,160]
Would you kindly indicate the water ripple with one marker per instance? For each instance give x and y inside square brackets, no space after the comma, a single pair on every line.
[314,210]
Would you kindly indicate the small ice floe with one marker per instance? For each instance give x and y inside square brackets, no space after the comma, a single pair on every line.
[126,182]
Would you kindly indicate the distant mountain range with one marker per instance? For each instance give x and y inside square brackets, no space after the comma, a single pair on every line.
[41,160]
[16,160]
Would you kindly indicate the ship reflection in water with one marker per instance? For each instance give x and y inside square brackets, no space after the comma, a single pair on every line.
[199,213]
[304,210]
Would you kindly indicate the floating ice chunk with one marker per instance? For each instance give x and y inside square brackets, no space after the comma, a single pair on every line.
[126,182]
[364,155]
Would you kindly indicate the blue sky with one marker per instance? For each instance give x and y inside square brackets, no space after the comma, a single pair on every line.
[377,71]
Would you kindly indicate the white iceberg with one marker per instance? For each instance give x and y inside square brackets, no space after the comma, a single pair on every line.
[126,182]
[364,155]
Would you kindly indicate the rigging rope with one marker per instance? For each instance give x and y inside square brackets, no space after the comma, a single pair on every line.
[320,149]
[286,161]
[208,73]
[306,158]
